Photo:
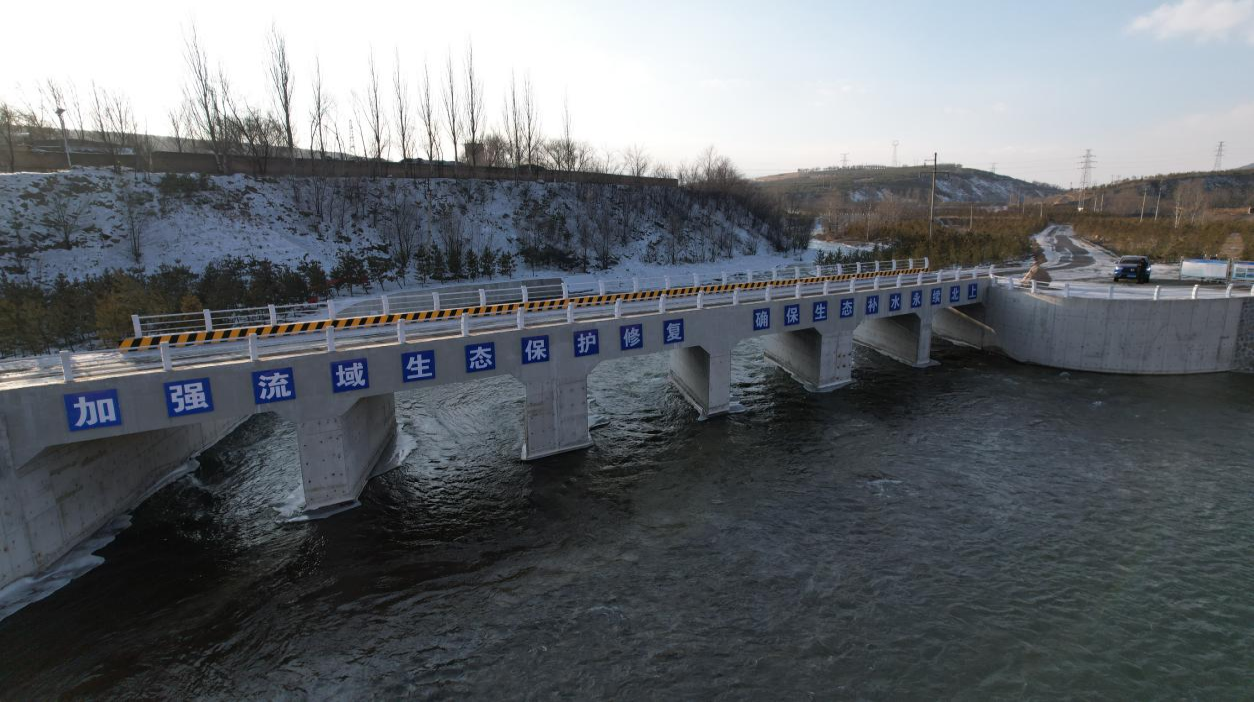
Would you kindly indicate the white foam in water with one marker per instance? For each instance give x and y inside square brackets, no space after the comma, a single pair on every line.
[596,421]
[81,559]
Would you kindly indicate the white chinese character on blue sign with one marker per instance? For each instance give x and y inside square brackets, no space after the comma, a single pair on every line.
[846,307]
[92,410]
[418,365]
[587,343]
[936,296]
[349,375]
[761,319]
[535,349]
[480,357]
[672,331]
[632,337]
[955,293]
[973,290]
[820,311]
[916,298]
[894,302]
[872,304]
[792,315]
[276,385]
[188,397]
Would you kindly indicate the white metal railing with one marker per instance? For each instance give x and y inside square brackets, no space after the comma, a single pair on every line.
[424,300]
[1111,291]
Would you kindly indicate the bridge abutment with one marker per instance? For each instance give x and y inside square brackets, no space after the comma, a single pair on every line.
[906,338]
[820,360]
[338,454]
[555,418]
[703,377]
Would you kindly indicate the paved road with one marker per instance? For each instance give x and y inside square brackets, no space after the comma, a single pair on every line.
[1072,255]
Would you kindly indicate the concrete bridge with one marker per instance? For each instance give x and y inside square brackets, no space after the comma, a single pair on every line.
[86,436]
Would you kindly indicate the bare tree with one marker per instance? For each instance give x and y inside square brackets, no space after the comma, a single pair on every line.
[319,108]
[530,122]
[375,120]
[64,214]
[512,118]
[474,105]
[404,115]
[114,122]
[205,94]
[400,233]
[636,161]
[282,84]
[429,116]
[452,106]
[136,216]
[10,126]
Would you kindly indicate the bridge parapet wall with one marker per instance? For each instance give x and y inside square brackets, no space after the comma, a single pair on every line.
[1245,339]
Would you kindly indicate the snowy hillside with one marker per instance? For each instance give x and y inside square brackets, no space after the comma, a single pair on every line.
[815,189]
[88,220]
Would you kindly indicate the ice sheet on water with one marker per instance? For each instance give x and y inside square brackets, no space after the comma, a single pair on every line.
[81,559]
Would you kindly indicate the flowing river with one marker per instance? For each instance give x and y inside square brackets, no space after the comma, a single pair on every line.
[980,529]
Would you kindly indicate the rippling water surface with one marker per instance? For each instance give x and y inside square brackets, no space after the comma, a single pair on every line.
[979,529]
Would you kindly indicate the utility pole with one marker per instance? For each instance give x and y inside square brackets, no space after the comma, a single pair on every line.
[1086,176]
[65,142]
[1157,200]
[931,207]
[1219,156]
[895,143]
[1144,194]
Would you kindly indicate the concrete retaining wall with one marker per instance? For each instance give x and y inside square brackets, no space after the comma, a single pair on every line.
[1245,339]
[1144,337]
[66,493]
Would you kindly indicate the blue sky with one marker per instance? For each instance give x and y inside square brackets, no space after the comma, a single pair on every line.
[1149,86]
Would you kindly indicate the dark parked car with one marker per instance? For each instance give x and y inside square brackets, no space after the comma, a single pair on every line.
[1135,267]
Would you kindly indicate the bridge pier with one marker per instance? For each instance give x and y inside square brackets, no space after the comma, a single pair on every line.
[555,419]
[906,338]
[820,361]
[338,454]
[965,326]
[703,378]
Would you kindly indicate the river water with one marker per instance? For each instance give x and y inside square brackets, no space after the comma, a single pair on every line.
[981,529]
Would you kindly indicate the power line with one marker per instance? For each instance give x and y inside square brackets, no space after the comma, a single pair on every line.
[1219,156]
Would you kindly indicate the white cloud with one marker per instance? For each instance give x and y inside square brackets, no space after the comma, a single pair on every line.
[1203,20]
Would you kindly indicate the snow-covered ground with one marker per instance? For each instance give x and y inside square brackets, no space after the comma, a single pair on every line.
[1068,257]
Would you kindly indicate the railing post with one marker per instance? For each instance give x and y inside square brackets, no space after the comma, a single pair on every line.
[661,303]
[858,268]
[483,298]
[696,282]
[400,331]
[1228,292]
[1193,295]
[796,271]
[570,313]
[1157,289]
[435,300]
[601,288]
[1066,290]
[520,322]
[1110,292]
[464,319]
[166,364]
[524,294]
[67,366]
[700,299]
[208,320]
[735,296]
[852,281]
[618,309]
[899,280]
[635,284]
[910,264]
[330,309]
[749,275]
[252,347]
[666,283]
[918,280]
[774,274]
[827,287]
[797,290]
[926,263]
[136,325]
[724,278]
[894,265]
[877,266]
[767,293]
[565,290]
[385,305]
[330,338]
[274,315]
[840,269]
[1034,286]
[875,283]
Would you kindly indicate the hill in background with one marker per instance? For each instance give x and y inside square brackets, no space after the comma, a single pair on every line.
[807,190]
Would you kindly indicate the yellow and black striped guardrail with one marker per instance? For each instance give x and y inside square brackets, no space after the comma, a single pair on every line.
[273,330]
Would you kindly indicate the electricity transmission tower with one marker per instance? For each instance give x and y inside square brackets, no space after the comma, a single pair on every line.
[844,160]
[1086,176]
[1219,156]
[895,143]
[993,168]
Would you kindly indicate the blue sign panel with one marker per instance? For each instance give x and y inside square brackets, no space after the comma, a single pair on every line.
[188,397]
[894,302]
[349,375]
[792,315]
[916,299]
[872,304]
[274,385]
[535,349]
[631,336]
[955,293]
[819,314]
[936,296]
[673,331]
[480,357]
[418,365]
[587,343]
[973,290]
[846,307]
[92,410]
[762,319]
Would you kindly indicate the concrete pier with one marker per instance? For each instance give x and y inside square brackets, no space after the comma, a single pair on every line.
[704,378]
[965,326]
[337,454]
[820,360]
[907,338]
[555,419]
